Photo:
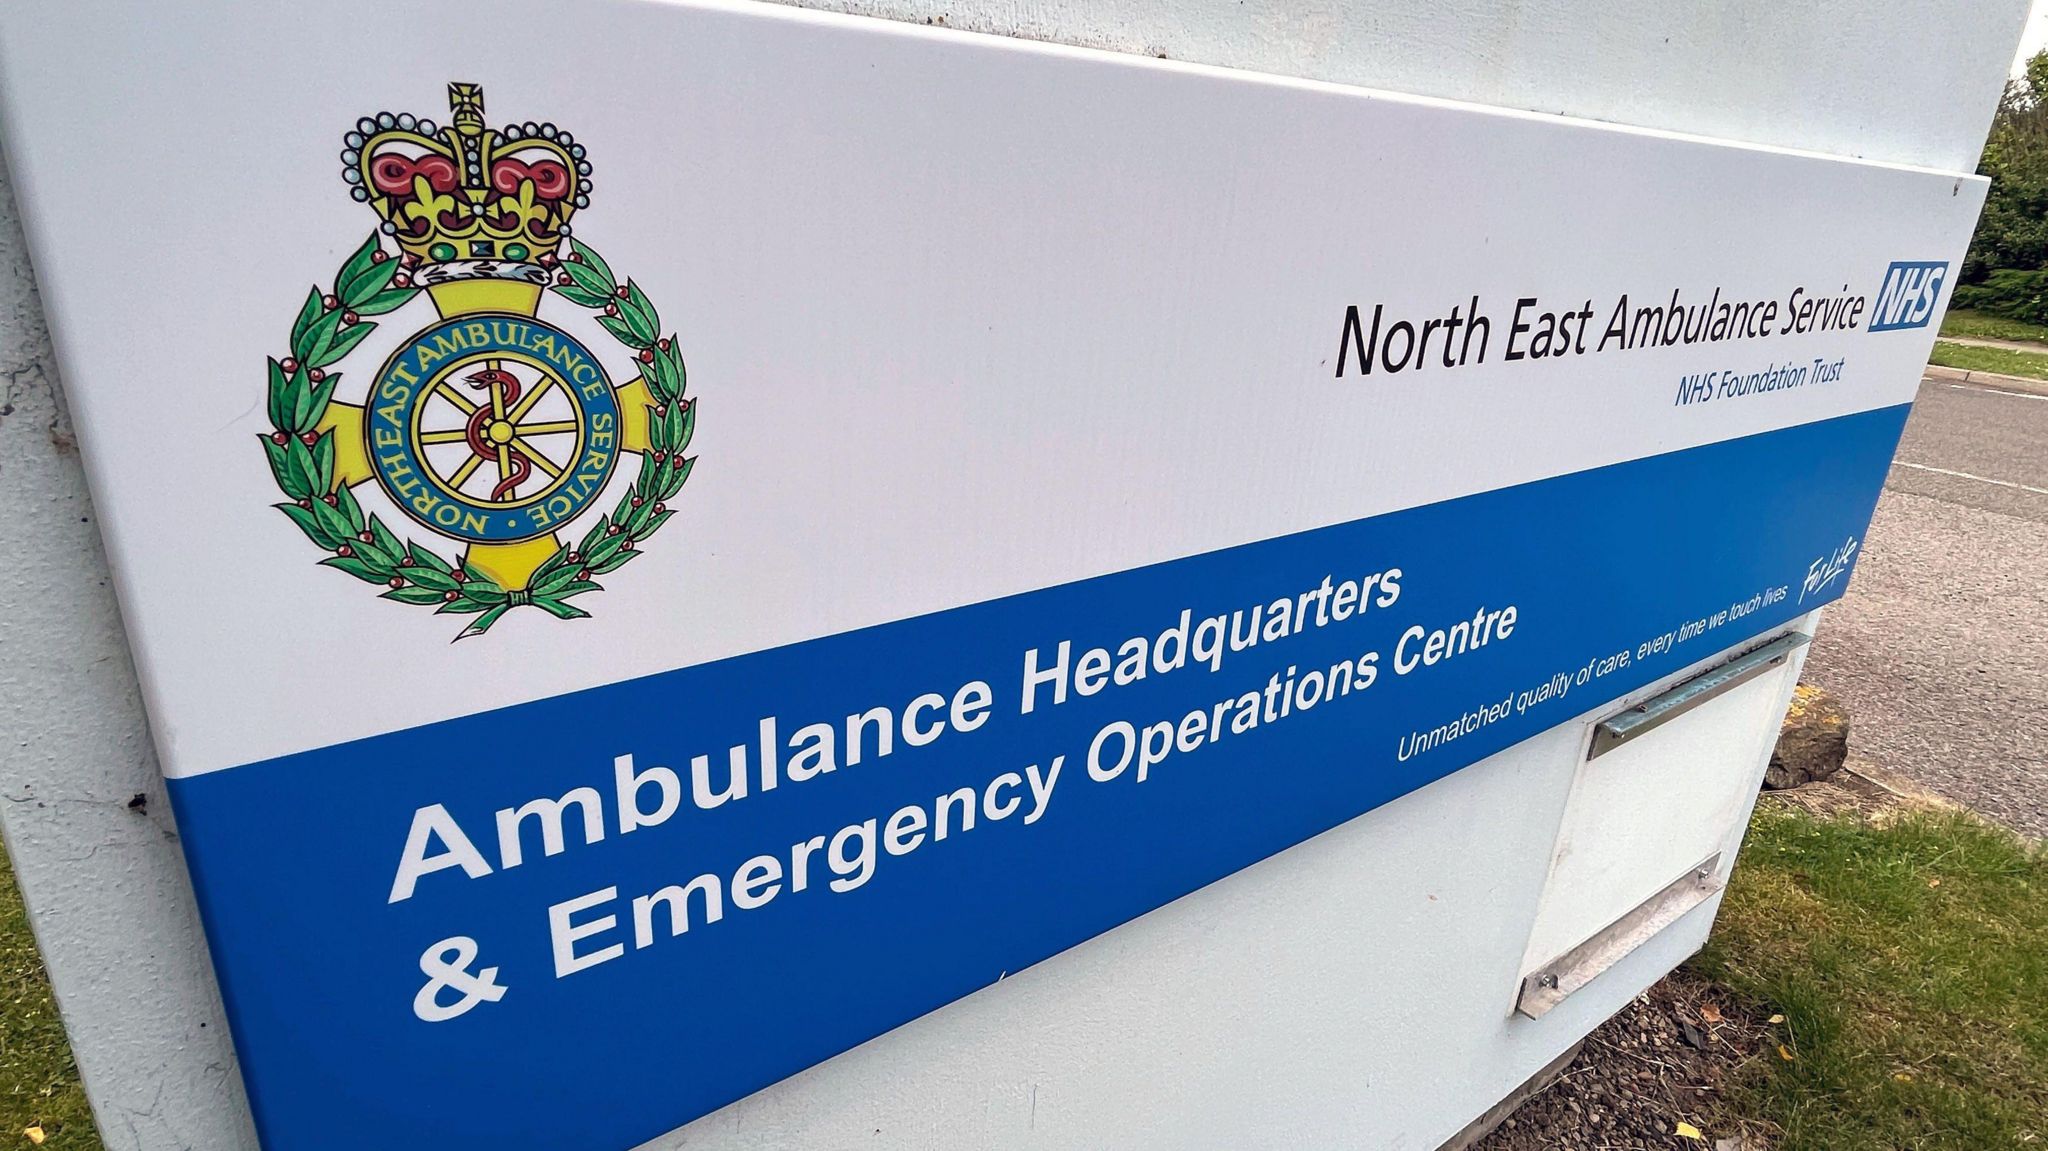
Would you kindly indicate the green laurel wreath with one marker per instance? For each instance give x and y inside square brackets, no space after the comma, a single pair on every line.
[330,325]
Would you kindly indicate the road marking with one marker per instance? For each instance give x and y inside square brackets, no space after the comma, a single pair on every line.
[1968,476]
[1996,391]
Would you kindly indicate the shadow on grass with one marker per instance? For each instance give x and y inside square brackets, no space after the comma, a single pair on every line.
[1985,326]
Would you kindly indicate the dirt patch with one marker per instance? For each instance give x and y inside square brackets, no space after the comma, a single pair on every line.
[1864,788]
[1661,1062]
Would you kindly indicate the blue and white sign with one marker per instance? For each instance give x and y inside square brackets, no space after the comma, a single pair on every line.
[1048,483]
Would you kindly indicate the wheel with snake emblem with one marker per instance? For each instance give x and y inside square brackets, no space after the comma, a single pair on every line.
[511,431]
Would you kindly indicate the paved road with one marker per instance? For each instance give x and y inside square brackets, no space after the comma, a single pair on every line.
[1941,646]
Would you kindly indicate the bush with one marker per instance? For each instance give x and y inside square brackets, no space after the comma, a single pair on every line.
[2013,231]
[2007,292]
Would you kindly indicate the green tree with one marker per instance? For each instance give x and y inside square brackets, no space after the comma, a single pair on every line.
[2013,232]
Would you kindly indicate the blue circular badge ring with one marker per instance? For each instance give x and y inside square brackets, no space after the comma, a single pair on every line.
[492,428]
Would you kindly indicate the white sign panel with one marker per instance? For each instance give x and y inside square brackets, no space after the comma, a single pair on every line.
[664,541]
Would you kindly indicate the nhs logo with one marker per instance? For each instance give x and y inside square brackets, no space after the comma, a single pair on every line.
[1906,298]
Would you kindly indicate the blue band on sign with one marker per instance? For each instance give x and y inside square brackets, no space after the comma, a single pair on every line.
[718,876]
[450,364]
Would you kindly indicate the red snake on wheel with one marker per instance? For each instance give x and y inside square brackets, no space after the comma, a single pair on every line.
[479,425]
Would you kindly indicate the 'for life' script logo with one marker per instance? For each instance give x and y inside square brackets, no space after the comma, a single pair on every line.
[1822,573]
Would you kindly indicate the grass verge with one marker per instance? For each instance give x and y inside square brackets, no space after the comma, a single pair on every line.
[1983,326]
[38,1081]
[1908,958]
[2001,360]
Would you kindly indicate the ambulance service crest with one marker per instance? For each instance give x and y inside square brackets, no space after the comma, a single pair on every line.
[491,433]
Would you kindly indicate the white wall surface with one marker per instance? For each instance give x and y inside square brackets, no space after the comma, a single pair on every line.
[1315,999]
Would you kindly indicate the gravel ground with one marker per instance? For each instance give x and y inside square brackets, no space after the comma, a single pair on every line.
[1940,648]
[1659,1063]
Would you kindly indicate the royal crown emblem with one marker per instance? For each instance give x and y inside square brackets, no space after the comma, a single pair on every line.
[491,428]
